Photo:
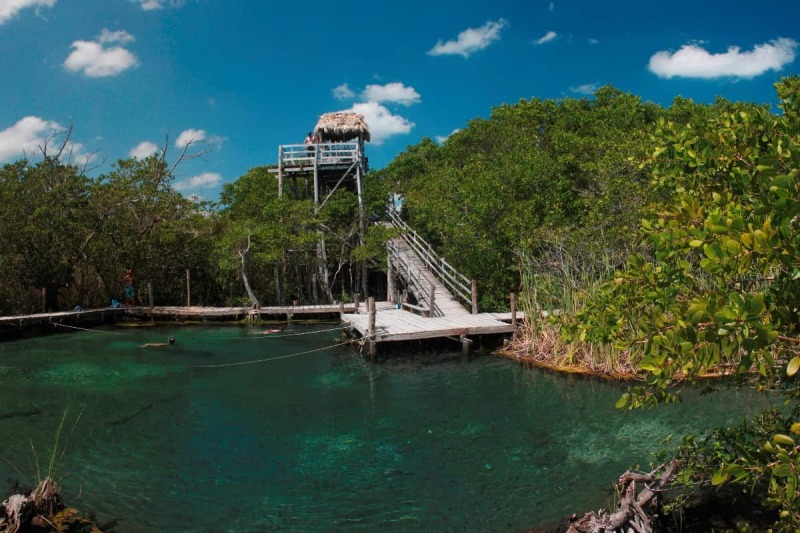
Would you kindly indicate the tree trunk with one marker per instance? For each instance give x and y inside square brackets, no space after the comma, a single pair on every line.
[278,296]
[250,293]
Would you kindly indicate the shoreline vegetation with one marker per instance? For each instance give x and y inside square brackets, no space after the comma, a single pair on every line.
[42,510]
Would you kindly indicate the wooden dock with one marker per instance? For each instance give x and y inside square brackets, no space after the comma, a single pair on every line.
[440,296]
[15,326]
[392,324]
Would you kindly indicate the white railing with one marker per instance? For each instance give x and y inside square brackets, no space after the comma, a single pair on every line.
[294,155]
[458,284]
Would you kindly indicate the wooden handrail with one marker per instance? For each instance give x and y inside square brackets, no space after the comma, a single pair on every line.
[459,284]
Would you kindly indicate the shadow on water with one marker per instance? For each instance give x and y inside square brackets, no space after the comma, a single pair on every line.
[423,440]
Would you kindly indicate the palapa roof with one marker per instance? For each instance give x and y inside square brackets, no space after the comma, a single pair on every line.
[341,126]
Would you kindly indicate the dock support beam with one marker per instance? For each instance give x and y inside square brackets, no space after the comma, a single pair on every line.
[372,346]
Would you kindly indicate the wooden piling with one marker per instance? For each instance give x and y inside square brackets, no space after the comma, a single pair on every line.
[371,344]
[432,300]
[356,301]
[465,343]
[514,310]
[188,289]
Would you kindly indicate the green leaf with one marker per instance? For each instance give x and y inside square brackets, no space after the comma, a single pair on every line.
[719,477]
[785,440]
[793,367]
[623,401]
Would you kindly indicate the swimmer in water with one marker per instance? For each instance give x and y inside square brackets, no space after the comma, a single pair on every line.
[170,342]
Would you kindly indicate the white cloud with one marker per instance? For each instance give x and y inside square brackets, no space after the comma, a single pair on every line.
[546,38]
[694,61]
[150,5]
[206,180]
[26,136]
[119,36]
[592,40]
[470,40]
[442,138]
[586,88]
[190,136]
[391,92]
[96,60]
[343,92]
[144,149]
[30,134]
[382,123]
[11,8]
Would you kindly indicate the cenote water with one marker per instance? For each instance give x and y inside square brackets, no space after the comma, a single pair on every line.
[322,441]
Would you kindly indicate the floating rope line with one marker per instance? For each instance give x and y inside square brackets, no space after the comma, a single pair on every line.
[91,330]
[268,359]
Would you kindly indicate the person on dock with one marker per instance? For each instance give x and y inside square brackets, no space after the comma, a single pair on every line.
[170,342]
[130,288]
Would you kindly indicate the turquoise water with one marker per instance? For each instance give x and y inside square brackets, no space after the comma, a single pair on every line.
[322,441]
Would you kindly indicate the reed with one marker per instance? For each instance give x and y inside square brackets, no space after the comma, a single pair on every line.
[557,281]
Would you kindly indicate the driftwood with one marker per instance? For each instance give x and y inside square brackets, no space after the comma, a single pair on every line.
[43,510]
[636,511]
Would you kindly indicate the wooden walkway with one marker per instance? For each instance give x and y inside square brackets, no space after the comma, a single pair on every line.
[420,280]
[237,313]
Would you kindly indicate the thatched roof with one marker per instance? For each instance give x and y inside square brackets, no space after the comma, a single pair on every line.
[341,126]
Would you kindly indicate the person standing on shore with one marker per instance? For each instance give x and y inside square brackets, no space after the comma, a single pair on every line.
[130,288]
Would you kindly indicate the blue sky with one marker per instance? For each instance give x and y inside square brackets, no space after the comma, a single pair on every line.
[245,77]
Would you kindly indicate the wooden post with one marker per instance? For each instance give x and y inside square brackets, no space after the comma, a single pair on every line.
[341,311]
[390,292]
[372,345]
[514,311]
[150,297]
[316,179]
[432,300]
[44,300]
[280,171]
[188,290]
[474,297]
[465,343]
[356,300]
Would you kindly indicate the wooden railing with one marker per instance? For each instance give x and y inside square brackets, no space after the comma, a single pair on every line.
[418,281]
[458,284]
[294,155]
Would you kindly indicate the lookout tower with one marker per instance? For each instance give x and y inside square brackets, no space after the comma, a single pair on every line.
[335,159]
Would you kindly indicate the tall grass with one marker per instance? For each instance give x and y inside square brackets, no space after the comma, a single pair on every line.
[557,281]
